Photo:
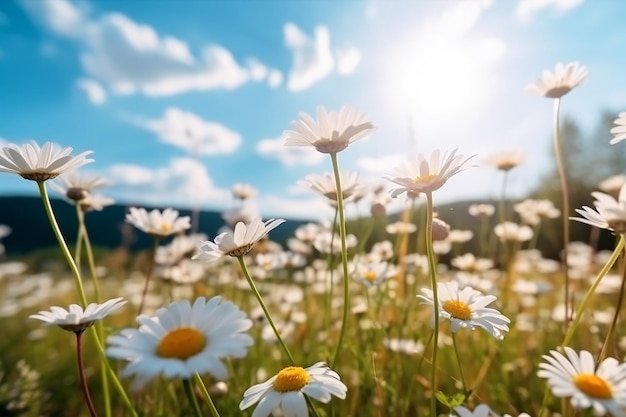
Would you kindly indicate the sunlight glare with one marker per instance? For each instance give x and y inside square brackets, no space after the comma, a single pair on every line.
[439,75]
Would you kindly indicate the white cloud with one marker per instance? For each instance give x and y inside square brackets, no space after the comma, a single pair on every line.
[182,182]
[258,71]
[95,92]
[130,57]
[312,57]
[348,60]
[527,8]
[274,78]
[59,16]
[190,132]
[288,155]
[463,15]
[314,208]
[130,174]
[379,165]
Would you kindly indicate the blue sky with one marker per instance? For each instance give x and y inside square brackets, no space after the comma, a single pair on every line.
[130,79]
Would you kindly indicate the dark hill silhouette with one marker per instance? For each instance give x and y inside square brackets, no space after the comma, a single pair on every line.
[31,230]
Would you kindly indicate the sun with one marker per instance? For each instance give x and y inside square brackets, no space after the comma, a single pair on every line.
[438,75]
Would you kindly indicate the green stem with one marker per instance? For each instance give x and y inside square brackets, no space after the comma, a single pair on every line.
[611,331]
[192,397]
[344,259]
[432,266]
[565,213]
[81,373]
[61,241]
[458,361]
[68,257]
[257,294]
[155,244]
[206,395]
[583,305]
[83,237]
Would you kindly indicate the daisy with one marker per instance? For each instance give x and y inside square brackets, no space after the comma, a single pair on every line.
[576,376]
[612,184]
[157,223]
[609,214]
[466,308]
[326,186]
[513,232]
[286,390]
[182,340]
[327,242]
[75,319]
[481,210]
[400,227]
[427,175]
[533,211]
[95,202]
[237,243]
[372,272]
[40,164]
[562,81]
[481,410]
[77,185]
[243,191]
[506,161]
[619,131]
[331,132]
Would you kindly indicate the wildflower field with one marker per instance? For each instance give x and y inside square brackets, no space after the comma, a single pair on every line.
[336,321]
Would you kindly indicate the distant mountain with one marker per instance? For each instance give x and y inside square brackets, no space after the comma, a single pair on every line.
[31,230]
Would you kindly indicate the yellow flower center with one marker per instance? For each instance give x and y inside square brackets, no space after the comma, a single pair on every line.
[425,178]
[370,276]
[166,227]
[457,309]
[593,385]
[181,343]
[292,378]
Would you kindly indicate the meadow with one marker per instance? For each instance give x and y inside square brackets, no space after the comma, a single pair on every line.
[337,321]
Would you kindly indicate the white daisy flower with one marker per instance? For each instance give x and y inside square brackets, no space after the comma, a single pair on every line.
[40,164]
[609,213]
[243,191]
[400,227]
[481,210]
[466,308]
[157,223]
[513,232]
[325,185]
[75,319]
[619,131]
[576,376]
[286,390]
[562,81]
[372,272]
[427,175]
[481,410]
[331,132]
[95,202]
[183,339]
[506,160]
[77,185]
[237,243]
[613,184]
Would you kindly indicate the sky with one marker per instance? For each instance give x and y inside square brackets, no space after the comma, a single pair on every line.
[140,82]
